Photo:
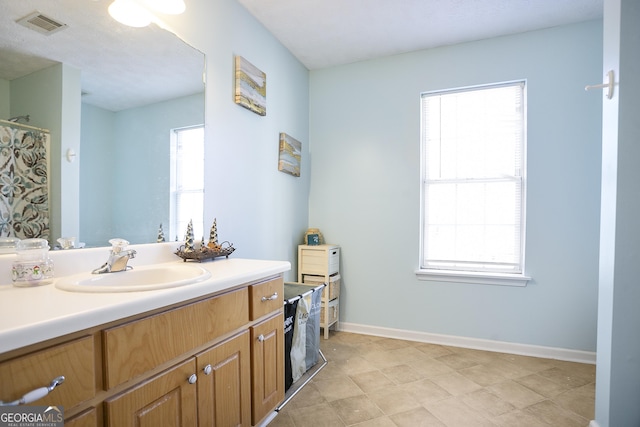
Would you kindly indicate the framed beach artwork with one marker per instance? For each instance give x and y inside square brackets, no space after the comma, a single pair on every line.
[290,154]
[251,87]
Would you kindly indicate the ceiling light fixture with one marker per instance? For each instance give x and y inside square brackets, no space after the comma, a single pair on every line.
[130,13]
[136,13]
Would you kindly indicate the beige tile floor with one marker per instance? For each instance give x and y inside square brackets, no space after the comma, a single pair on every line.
[381,382]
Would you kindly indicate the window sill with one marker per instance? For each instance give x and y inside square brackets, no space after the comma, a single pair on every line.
[473,277]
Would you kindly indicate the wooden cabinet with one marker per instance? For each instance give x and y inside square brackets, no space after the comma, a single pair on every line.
[320,260]
[224,383]
[167,400]
[138,346]
[319,264]
[267,366]
[267,347]
[214,361]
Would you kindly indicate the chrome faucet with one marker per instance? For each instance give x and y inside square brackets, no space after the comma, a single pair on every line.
[118,258]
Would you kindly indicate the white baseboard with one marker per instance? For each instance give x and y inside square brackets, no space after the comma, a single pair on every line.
[475,343]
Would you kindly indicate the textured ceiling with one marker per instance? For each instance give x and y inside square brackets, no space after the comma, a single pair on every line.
[121,67]
[324,33]
[124,67]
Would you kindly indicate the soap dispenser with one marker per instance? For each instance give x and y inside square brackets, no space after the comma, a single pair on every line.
[32,266]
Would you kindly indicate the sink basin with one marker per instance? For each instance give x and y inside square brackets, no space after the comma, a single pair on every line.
[145,278]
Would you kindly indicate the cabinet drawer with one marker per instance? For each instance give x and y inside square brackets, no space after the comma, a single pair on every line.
[334,260]
[136,347]
[332,309]
[321,260]
[331,291]
[266,297]
[74,360]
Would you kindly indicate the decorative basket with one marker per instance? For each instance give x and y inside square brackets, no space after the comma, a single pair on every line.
[206,253]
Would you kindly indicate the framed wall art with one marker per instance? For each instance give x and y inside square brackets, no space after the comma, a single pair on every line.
[313,239]
[290,155]
[251,87]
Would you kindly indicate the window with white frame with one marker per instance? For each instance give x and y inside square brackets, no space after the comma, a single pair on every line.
[473,189]
[187,181]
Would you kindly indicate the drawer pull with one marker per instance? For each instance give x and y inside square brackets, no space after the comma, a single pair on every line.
[36,394]
[192,379]
[271,298]
[208,369]
[260,338]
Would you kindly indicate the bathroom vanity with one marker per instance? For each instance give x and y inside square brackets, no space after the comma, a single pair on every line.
[207,353]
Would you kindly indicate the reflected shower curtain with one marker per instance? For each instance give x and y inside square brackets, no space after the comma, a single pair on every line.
[24,186]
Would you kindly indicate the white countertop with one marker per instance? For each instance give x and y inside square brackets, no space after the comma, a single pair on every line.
[31,315]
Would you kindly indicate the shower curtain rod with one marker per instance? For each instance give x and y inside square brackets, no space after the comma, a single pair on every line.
[14,124]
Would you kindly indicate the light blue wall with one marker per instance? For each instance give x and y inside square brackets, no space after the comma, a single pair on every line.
[97,162]
[262,211]
[70,111]
[364,132]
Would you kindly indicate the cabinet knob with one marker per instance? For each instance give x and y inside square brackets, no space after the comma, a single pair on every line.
[193,378]
[260,338]
[208,369]
[272,297]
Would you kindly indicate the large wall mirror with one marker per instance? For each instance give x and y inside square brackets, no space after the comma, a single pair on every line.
[137,85]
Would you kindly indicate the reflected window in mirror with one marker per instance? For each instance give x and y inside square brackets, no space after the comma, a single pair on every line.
[187,181]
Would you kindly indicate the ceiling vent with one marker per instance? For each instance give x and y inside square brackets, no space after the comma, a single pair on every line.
[41,23]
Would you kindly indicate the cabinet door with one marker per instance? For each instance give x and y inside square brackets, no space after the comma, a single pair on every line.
[224,383]
[88,418]
[167,400]
[267,363]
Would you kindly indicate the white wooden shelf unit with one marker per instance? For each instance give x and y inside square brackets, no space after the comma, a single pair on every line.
[321,264]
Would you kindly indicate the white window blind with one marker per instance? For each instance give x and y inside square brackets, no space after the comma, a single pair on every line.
[473,179]
[187,181]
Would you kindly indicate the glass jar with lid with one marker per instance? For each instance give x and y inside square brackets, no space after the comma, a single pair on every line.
[32,266]
[8,245]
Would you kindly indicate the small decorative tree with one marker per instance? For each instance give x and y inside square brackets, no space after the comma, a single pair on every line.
[160,234]
[188,238]
[213,237]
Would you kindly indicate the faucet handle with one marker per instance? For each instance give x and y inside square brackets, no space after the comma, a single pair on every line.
[117,245]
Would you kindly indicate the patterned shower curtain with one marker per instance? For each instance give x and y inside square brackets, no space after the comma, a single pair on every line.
[24,186]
